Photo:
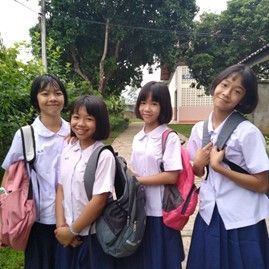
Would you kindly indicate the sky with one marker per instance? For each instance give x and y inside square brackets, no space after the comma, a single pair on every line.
[16,19]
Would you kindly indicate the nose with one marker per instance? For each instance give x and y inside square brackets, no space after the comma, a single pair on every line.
[147,107]
[227,91]
[52,96]
[81,122]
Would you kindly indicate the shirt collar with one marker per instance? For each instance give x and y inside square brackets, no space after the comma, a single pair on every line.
[210,124]
[42,130]
[76,146]
[155,133]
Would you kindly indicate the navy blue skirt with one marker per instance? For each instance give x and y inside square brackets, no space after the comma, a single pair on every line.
[73,257]
[41,247]
[214,247]
[98,258]
[161,248]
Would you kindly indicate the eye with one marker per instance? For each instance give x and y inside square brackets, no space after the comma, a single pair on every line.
[43,93]
[74,117]
[142,102]
[59,93]
[90,118]
[155,103]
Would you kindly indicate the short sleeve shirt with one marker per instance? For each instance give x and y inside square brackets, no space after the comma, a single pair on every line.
[146,159]
[49,146]
[238,207]
[72,168]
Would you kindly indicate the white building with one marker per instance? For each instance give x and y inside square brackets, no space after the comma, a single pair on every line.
[189,104]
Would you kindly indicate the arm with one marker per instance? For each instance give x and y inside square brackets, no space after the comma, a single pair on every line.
[201,160]
[60,219]
[162,178]
[4,178]
[199,155]
[172,164]
[256,182]
[90,213]
[104,180]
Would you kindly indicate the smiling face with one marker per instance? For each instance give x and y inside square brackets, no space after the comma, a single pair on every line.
[228,93]
[150,111]
[83,126]
[50,101]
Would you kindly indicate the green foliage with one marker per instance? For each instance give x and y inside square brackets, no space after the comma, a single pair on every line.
[116,110]
[15,81]
[78,27]
[223,40]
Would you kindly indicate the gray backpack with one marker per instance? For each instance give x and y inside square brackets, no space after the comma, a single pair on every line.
[121,226]
[228,127]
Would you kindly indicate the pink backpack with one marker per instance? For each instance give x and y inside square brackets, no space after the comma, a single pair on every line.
[17,207]
[180,199]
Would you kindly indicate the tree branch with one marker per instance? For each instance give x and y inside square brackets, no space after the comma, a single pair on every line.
[102,78]
[76,64]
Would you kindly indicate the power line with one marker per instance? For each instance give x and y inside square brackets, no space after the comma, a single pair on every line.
[22,4]
[203,34]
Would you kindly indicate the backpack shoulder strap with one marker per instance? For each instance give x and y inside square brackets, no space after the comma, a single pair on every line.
[206,136]
[28,143]
[164,137]
[89,174]
[229,126]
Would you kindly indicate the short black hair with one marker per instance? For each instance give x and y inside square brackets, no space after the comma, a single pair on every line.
[40,83]
[159,92]
[95,107]
[249,82]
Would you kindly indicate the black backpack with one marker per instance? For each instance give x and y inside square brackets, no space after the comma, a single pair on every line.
[121,226]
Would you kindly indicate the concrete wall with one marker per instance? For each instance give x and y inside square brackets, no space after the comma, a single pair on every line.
[192,114]
[260,117]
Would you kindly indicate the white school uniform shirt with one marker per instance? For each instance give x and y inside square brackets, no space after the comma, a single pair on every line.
[146,158]
[73,165]
[49,146]
[237,206]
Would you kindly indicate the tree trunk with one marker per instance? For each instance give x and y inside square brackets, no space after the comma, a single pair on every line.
[77,67]
[102,78]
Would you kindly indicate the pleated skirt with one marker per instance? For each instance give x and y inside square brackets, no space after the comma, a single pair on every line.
[214,247]
[161,248]
[73,258]
[40,252]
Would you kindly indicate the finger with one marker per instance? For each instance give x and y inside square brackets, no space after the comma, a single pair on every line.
[208,146]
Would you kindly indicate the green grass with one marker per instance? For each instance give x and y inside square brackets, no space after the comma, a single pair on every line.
[184,129]
[11,259]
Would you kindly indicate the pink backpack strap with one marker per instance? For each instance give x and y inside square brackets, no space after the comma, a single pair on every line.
[164,137]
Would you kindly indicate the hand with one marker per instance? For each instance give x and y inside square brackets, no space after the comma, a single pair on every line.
[64,236]
[202,156]
[76,242]
[216,157]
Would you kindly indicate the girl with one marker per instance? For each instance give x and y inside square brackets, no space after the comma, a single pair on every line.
[75,214]
[162,246]
[48,96]
[230,230]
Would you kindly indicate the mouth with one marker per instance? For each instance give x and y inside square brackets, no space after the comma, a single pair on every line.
[146,115]
[223,100]
[79,131]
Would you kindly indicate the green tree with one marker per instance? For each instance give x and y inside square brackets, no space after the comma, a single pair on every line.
[225,39]
[107,41]
[15,81]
